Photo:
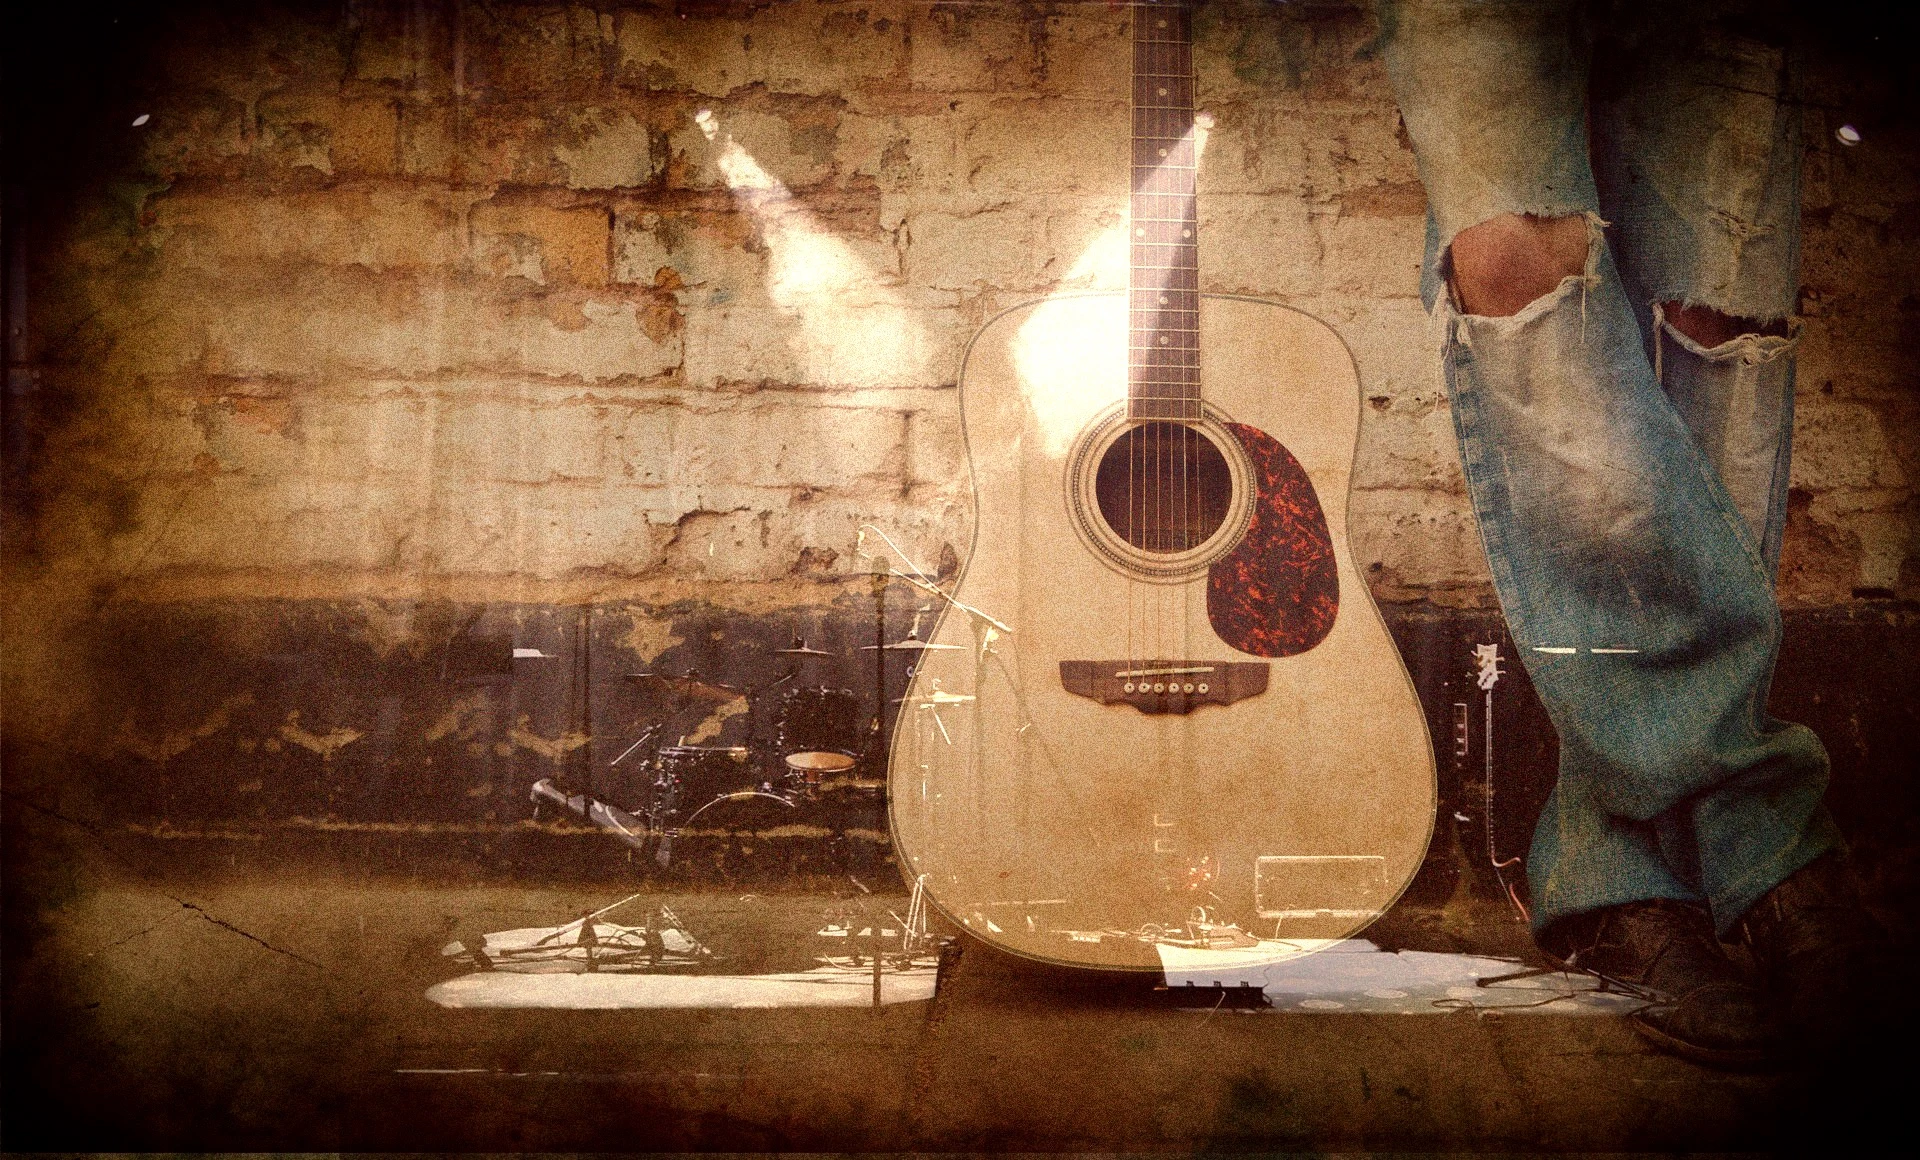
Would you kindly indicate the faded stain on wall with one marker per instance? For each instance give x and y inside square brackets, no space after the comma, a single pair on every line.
[388,310]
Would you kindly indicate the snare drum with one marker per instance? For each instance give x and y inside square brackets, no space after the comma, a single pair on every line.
[819,733]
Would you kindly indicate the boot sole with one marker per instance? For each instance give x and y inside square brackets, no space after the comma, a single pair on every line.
[1725,1058]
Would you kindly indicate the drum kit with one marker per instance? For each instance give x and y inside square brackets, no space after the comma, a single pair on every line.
[822,747]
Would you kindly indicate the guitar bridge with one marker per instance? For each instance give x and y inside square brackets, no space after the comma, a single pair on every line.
[1157,686]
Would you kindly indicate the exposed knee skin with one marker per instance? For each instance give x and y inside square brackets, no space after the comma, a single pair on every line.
[1710,328]
[1503,263]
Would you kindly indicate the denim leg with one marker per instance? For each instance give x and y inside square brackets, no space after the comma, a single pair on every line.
[1628,574]
[1696,144]
[1633,589]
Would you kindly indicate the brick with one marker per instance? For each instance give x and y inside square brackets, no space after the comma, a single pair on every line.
[545,532]
[325,325]
[802,47]
[1413,545]
[994,248]
[1842,445]
[295,131]
[1256,148]
[914,152]
[966,48]
[381,229]
[766,543]
[506,144]
[716,255]
[1010,147]
[536,50]
[337,317]
[1410,449]
[752,151]
[425,140]
[1258,245]
[542,243]
[609,149]
[195,133]
[1087,53]
[1372,257]
[1086,242]
[365,137]
[232,522]
[517,436]
[824,346]
[1350,153]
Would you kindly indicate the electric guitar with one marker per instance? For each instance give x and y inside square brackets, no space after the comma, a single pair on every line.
[1168,712]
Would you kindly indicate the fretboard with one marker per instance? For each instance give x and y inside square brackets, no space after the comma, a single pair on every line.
[1163,285]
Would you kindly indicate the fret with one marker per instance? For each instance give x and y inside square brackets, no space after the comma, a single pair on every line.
[1163,372]
[1183,273]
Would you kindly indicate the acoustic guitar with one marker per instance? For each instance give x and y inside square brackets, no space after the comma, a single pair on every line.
[1167,712]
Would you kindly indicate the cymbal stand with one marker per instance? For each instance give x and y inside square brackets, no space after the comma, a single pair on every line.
[876,734]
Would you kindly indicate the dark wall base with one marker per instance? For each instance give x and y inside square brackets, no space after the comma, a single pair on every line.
[267,736]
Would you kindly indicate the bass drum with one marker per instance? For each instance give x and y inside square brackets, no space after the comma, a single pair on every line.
[818,733]
[690,776]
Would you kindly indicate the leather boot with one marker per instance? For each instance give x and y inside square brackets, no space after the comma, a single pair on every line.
[1820,955]
[1701,1006]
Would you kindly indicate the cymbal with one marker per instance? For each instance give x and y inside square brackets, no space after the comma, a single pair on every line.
[803,651]
[937,697]
[912,643]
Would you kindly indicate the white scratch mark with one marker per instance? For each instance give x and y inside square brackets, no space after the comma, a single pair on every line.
[1559,652]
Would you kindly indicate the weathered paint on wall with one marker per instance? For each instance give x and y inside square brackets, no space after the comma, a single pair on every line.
[651,306]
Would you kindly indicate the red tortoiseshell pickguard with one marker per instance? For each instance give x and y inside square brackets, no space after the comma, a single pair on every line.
[1277,592]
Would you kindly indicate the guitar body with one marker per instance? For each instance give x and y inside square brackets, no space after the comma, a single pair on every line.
[1219,725]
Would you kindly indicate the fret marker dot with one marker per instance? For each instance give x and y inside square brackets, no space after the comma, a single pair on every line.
[1139,233]
[1163,92]
[1163,340]
[1186,233]
[1163,24]
[1163,300]
[1163,153]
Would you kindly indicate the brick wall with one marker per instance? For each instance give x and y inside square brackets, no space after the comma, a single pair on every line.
[535,304]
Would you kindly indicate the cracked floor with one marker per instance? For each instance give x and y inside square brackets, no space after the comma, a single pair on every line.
[156,1007]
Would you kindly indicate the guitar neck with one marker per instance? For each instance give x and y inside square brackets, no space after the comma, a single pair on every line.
[1163,284]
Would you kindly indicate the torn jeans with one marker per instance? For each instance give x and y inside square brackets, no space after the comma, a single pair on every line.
[1631,516]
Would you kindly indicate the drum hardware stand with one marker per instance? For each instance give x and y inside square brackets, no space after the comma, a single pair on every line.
[625,753]
[632,830]
[1488,658]
[918,580]
[876,735]
[621,949]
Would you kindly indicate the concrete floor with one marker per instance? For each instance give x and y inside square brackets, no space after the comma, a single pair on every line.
[156,1009]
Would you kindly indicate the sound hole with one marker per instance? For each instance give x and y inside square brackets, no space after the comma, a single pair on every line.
[1163,487]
